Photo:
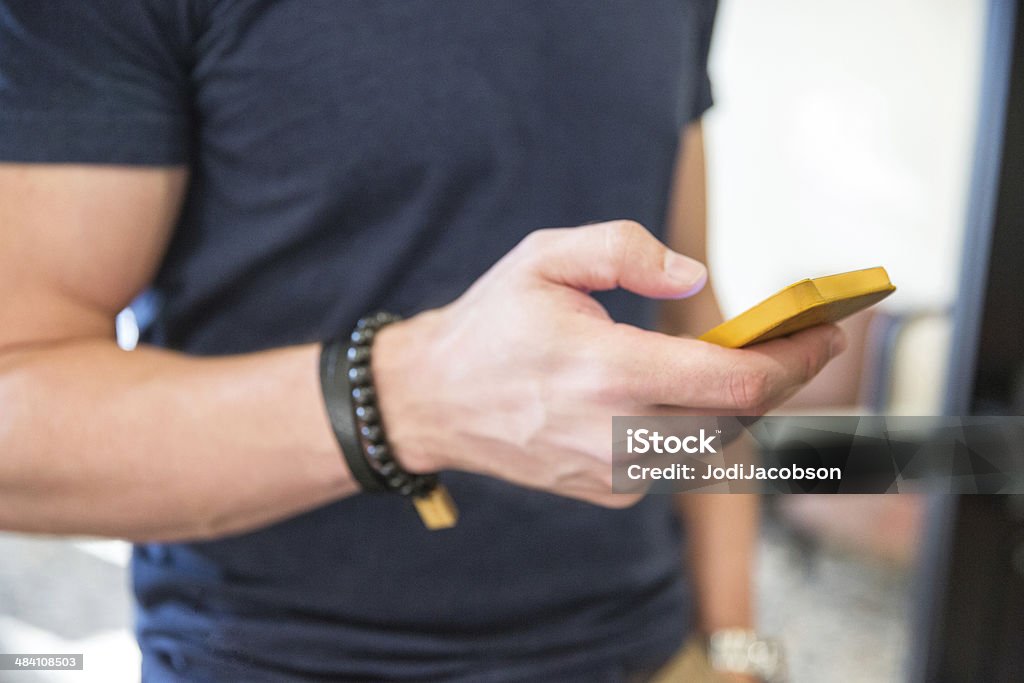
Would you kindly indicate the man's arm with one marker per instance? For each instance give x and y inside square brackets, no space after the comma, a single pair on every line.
[515,379]
[141,444]
[722,528]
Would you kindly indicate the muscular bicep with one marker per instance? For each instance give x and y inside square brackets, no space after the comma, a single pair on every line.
[77,243]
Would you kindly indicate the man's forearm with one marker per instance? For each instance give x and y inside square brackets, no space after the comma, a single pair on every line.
[721,542]
[150,444]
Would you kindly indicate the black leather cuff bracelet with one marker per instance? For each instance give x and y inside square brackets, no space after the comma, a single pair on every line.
[337,398]
[346,378]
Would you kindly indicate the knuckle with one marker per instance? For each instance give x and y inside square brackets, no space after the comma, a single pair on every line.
[536,241]
[813,362]
[817,354]
[749,389]
[605,383]
[624,240]
[630,227]
[619,234]
[813,357]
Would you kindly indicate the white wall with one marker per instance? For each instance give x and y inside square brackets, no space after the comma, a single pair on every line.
[841,138]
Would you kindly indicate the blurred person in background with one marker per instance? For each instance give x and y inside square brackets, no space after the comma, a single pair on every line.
[274,171]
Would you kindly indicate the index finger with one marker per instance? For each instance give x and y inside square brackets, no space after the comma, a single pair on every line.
[689,373]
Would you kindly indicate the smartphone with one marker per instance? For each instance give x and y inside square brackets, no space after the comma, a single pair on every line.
[803,304]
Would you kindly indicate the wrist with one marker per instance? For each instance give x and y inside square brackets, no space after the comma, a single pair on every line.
[401,359]
[353,403]
[719,610]
[735,616]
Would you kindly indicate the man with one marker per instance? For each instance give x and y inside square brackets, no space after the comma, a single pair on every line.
[273,171]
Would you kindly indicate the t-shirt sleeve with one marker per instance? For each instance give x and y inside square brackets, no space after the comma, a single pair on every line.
[703,98]
[94,81]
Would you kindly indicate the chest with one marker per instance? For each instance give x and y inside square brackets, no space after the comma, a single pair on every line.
[414,82]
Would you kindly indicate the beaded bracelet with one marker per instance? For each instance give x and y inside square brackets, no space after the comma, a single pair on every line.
[351,399]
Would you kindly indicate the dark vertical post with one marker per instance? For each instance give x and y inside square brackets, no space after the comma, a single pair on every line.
[969,624]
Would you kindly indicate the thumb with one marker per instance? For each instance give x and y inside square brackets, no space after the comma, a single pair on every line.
[615,254]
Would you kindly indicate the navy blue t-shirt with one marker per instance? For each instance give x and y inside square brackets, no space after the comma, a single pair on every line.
[352,156]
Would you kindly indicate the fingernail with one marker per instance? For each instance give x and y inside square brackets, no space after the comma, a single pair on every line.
[686,272]
[837,344]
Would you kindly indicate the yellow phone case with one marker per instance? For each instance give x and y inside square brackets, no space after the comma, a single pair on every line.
[803,304]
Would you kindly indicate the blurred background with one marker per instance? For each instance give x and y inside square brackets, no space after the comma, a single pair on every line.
[842,138]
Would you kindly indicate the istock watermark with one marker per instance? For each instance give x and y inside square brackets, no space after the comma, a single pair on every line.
[641,441]
[844,454]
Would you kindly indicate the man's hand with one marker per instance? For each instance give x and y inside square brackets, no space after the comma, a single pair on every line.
[518,378]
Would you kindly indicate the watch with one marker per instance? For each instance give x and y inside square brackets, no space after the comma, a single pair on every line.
[739,651]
